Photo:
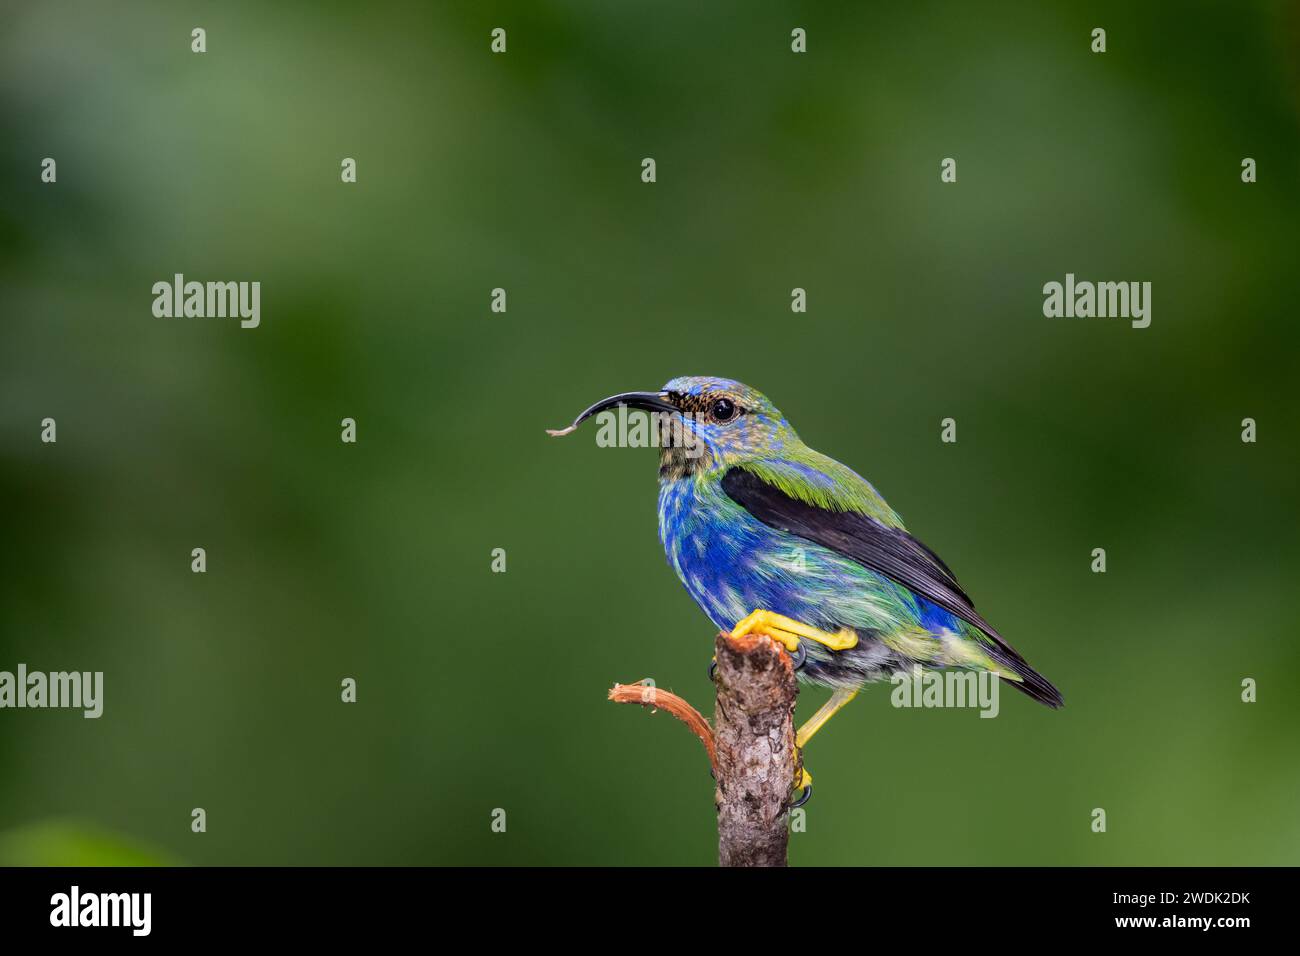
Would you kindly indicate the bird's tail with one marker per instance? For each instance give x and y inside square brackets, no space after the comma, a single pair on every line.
[1031,683]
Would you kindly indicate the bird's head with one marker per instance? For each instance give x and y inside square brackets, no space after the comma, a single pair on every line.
[706,424]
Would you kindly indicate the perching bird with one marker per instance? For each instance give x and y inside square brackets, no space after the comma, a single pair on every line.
[772,537]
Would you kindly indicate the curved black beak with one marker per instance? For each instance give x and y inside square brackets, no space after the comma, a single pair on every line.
[647,401]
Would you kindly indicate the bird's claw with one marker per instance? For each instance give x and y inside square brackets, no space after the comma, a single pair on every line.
[803,788]
[787,631]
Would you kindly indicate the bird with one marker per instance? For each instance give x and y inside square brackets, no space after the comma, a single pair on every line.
[772,537]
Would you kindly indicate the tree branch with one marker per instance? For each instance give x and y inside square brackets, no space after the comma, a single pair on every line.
[751,747]
[754,737]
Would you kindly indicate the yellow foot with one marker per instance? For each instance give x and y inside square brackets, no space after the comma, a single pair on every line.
[787,631]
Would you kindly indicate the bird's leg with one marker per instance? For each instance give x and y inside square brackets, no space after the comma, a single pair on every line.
[828,710]
[815,723]
[787,631]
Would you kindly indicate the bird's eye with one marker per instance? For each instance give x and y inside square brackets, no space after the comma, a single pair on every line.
[723,410]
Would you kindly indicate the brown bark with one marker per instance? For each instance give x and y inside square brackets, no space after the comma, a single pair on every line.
[751,745]
[753,733]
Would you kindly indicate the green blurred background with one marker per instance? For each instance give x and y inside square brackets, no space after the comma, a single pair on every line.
[479,690]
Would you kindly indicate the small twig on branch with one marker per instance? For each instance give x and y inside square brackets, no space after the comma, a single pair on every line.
[751,746]
[651,696]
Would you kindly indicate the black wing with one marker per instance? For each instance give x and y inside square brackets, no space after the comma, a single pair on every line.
[888,551]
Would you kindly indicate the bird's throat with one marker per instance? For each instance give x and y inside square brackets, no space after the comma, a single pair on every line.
[675,463]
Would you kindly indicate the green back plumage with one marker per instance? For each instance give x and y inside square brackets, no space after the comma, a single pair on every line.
[823,482]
